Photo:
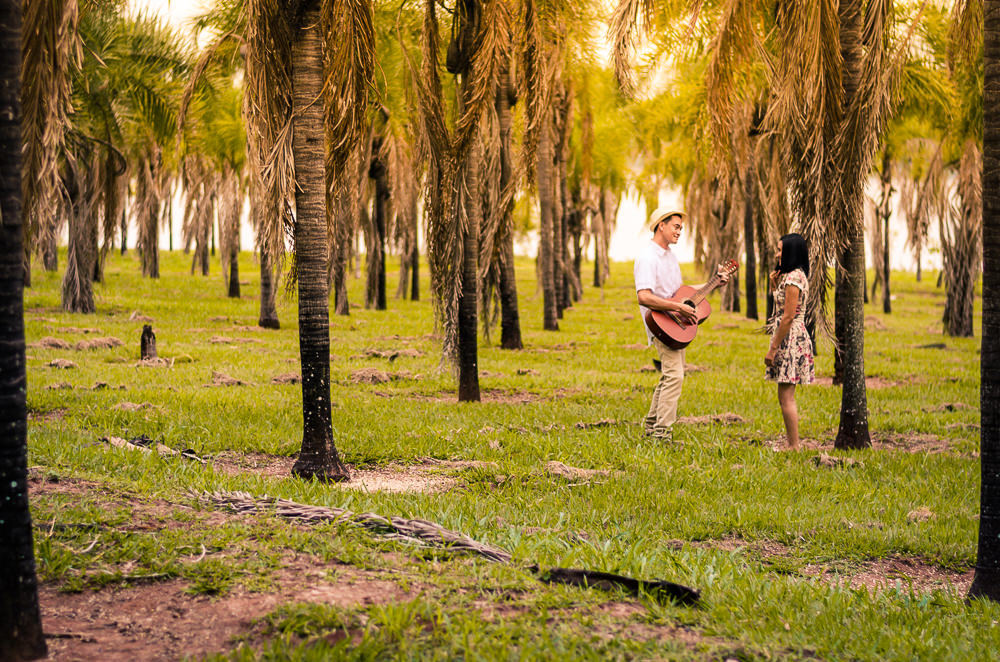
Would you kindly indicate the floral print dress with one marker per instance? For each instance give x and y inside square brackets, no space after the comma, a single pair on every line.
[793,360]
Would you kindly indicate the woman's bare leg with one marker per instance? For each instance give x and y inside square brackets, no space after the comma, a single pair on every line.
[789,412]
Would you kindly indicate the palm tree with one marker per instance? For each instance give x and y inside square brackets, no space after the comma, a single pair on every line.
[454,201]
[21,636]
[293,148]
[986,582]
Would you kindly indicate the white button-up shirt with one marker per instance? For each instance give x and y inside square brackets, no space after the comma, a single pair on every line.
[656,269]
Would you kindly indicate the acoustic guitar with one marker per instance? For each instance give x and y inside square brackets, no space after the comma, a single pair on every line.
[671,328]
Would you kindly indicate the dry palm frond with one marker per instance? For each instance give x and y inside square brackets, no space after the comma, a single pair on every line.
[452,177]
[202,184]
[484,72]
[929,201]
[268,109]
[404,181]
[731,47]
[85,192]
[414,531]
[229,207]
[51,49]
[496,204]
[350,71]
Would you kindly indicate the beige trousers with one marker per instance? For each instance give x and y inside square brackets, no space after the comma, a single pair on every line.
[663,410]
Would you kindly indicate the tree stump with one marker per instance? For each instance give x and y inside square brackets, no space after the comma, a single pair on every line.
[147,343]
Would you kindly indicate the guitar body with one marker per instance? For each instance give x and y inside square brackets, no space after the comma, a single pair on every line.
[671,329]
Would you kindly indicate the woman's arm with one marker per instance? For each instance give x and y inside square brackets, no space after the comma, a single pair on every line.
[787,316]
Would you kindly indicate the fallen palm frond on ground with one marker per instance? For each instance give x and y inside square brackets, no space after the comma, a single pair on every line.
[423,532]
[411,530]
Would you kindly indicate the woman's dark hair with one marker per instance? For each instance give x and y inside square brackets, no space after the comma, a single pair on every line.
[794,254]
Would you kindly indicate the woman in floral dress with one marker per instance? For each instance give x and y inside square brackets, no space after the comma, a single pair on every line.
[789,358]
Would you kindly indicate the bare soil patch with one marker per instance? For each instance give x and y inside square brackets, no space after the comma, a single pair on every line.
[887,574]
[163,622]
[427,477]
[874,574]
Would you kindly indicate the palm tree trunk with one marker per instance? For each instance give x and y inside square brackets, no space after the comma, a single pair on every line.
[885,211]
[268,314]
[468,300]
[510,318]
[849,295]
[749,187]
[124,231]
[234,275]
[318,457]
[376,296]
[415,269]
[21,636]
[986,581]
[546,192]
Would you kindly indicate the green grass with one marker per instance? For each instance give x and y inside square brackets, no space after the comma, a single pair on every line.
[659,514]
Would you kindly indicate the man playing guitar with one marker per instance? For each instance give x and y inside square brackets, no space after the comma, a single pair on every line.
[657,277]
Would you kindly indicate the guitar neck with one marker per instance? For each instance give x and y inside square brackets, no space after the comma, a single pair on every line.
[706,289]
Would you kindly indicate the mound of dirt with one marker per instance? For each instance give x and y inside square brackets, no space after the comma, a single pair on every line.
[222,379]
[48,342]
[376,376]
[136,316]
[99,343]
[132,406]
[158,362]
[62,364]
[556,468]
[287,378]
[873,323]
